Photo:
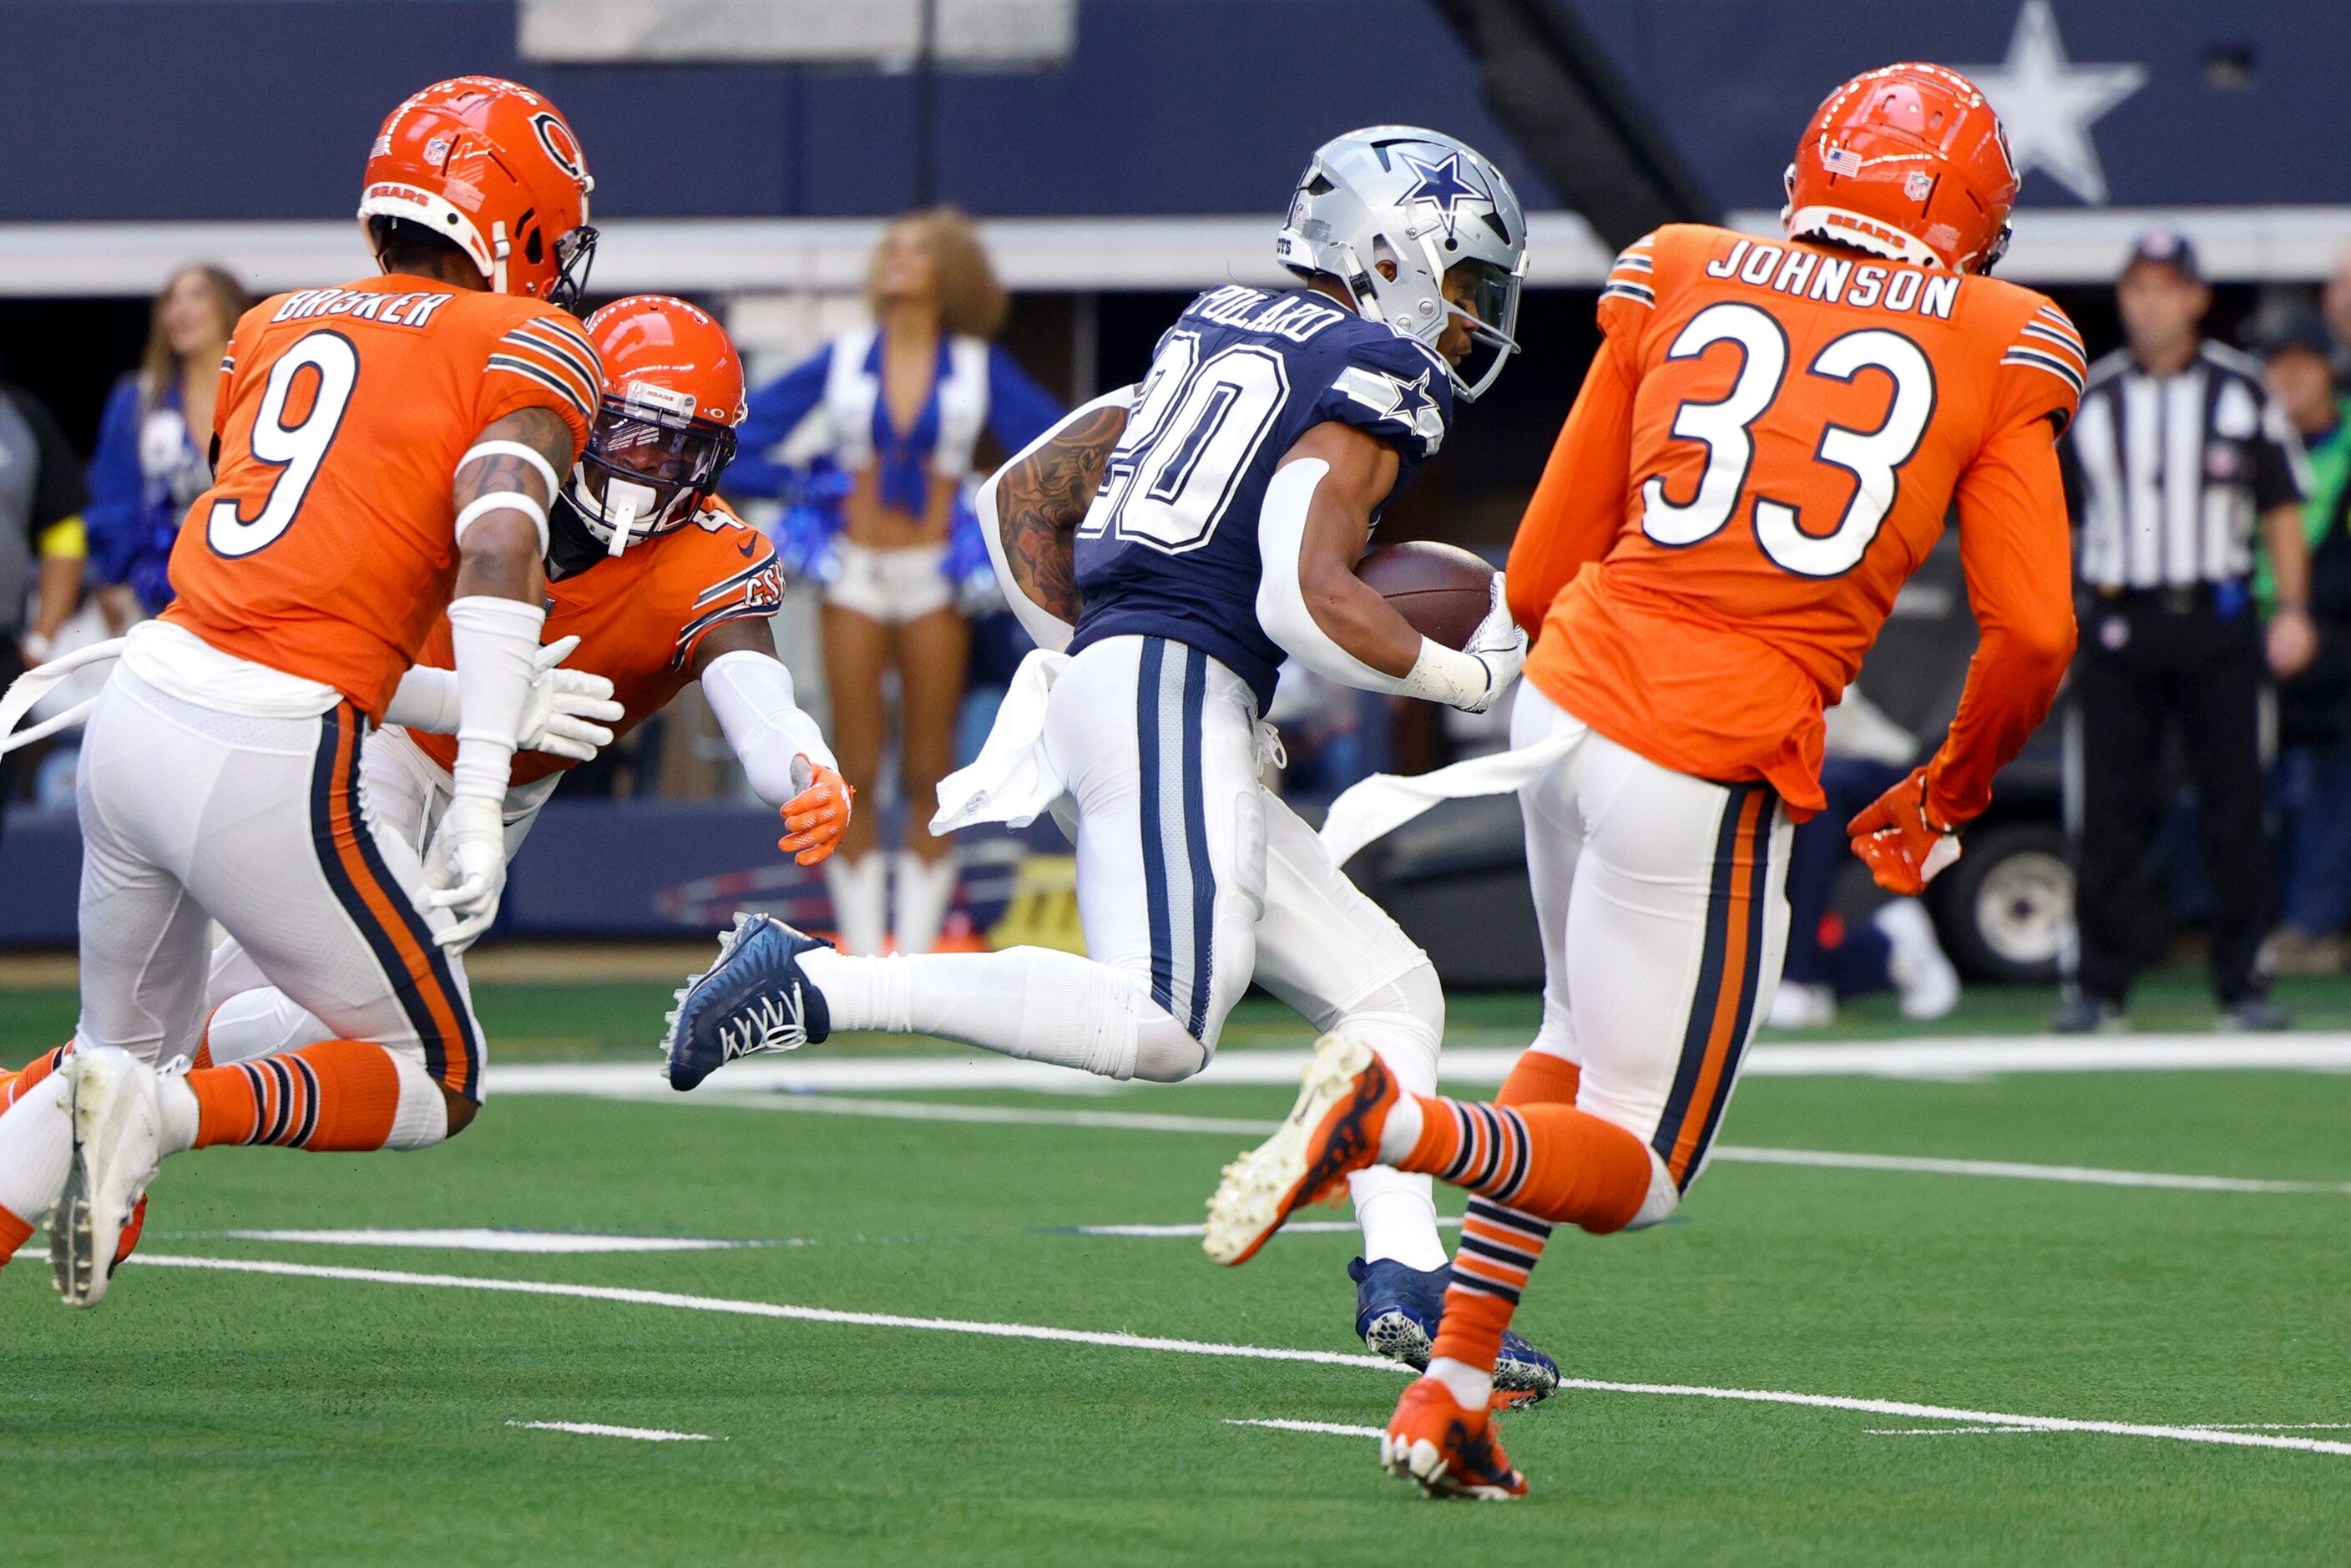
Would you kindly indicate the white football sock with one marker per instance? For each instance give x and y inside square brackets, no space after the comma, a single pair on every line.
[422,1119]
[1397,1210]
[176,1111]
[926,891]
[1401,1131]
[1471,1388]
[260,1023]
[36,1147]
[861,898]
[1033,1004]
[1398,1213]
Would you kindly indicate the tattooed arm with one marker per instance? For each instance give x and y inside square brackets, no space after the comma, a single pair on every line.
[500,546]
[1030,510]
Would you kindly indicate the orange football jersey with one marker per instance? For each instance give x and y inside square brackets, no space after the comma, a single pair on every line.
[326,545]
[1765,447]
[639,619]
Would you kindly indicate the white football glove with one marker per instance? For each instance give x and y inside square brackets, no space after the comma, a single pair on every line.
[465,867]
[561,714]
[1501,646]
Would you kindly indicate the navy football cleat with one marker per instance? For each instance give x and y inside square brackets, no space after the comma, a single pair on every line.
[753,999]
[1397,1310]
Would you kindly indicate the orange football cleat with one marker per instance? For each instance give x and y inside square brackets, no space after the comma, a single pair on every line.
[1446,1450]
[1334,1129]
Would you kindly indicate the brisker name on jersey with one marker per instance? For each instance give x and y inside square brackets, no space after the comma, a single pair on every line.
[1838,280]
[413,309]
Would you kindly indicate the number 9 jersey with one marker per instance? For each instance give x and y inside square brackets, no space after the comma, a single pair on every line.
[1764,449]
[325,548]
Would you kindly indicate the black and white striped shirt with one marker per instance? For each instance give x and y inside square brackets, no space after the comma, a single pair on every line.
[2166,474]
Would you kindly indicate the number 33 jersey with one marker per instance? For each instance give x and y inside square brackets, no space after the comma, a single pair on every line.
[326,547]
[1169,548]
[1765,447]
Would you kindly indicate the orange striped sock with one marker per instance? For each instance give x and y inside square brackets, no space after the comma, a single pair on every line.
[14,1087]
[1499,1247]
[13,1233]
[1553,1161]
[338,1094]
[1538,1078]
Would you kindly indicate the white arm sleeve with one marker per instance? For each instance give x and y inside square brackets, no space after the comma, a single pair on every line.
[426,700]
[1049,631]
[498,649]
[1440,675]
[752,696]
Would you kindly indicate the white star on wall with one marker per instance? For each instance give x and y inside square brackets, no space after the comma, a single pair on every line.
[2048,103]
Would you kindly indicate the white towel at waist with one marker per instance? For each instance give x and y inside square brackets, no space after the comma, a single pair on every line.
[1012,779]
[36,684]
[1385,801]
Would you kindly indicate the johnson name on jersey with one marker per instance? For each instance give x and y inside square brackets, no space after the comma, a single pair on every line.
[1169,548]
[1765,448]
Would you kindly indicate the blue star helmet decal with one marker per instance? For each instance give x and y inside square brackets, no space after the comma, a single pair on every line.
[1443,185]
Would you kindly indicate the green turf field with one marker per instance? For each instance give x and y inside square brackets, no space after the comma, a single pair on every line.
[205,1415]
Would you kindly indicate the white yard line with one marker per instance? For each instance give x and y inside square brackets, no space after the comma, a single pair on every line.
[2088,1175]
[1736,1154]
[1330,1428]
[1958,1057]
[1295,1227]
[482,1238]
[598,1429]
[679,1301]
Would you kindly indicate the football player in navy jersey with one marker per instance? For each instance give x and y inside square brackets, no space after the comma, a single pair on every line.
[1168,547]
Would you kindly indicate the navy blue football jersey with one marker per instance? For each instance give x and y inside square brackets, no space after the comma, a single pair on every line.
[1169,547]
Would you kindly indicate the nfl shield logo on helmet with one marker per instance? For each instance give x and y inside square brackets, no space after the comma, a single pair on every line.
[1918,184]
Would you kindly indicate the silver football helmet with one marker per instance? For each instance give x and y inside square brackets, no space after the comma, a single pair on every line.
[1426,203]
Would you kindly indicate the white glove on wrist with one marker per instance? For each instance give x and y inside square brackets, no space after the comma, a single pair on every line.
[567,710]
[1475,678]
[465,868]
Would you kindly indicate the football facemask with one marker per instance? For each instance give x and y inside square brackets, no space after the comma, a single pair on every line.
[647,472]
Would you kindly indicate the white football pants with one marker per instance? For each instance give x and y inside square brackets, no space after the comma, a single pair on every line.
[264,825]
[405,793]
[1191,877]
[1664,916]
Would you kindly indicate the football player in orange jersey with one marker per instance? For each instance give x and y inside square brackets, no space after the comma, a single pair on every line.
[657,582]
[387,452]
[1765,446]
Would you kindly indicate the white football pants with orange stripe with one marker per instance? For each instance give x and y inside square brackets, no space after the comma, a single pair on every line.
[1664,916]
[191,814]
[405,792]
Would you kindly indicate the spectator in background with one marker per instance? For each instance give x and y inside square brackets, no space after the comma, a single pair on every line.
[2177,451]
[2313,780]
[896,411]
[154,443]
[42,539]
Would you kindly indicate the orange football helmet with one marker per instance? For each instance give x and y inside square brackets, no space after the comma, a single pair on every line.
[673,397]
[1907,162]
[494,167]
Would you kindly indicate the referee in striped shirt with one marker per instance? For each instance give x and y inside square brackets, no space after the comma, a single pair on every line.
[2177,454]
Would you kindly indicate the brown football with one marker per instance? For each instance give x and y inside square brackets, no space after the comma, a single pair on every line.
[1443,590]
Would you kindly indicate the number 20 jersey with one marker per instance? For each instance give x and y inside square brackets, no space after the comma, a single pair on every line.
[325,548]
[1765,448]
[1169,547]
